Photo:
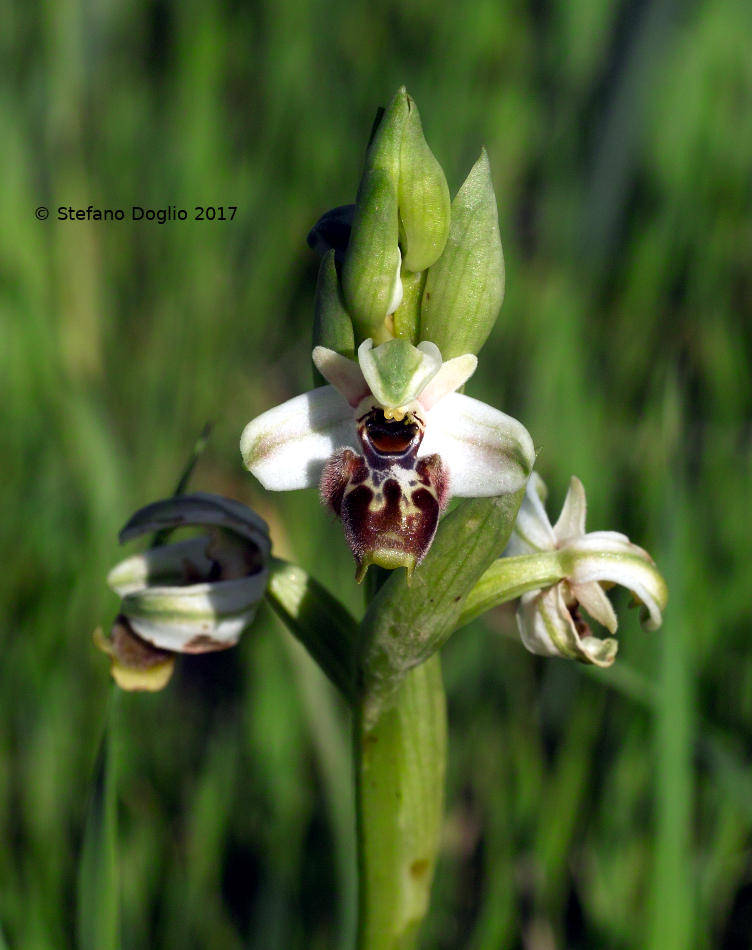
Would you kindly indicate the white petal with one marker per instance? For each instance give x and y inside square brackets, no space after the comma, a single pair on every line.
[344,374]
[198,618]
[486,452]
[544,623]
[396,371]
[546,627]
[609,557]
[532,529]
[593,598]
[571,523]
[453,374]
[288,446]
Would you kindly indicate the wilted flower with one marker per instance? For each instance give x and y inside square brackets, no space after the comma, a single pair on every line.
[389,441]
[191,596]
[550,620]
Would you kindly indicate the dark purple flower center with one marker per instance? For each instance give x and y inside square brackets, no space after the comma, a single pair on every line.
[389,437]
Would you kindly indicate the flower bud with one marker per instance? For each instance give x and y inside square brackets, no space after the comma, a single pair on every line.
[423,196]
[465,287]
[371,271]
[190,596]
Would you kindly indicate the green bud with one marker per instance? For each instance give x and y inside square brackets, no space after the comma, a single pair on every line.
[423,198]
[332,326]
[370,274]
[465,287]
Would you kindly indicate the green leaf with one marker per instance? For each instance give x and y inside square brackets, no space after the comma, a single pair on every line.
[405,624]
[318,620]
[465,287]
[98,877]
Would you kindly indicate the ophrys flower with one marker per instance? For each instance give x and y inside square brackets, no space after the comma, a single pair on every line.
[389,441]
[550,620]
[191,596]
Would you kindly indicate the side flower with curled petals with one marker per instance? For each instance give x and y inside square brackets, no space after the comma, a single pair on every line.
[550,619]
[191,596]
[389,441]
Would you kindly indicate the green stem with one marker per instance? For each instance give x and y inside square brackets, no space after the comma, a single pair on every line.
[399,766]
[509,578]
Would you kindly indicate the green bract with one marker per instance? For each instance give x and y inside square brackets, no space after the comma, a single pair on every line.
[465,287]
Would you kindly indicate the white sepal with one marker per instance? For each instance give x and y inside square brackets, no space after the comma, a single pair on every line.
[198,618]
[288,446]
[547,628]
[168,564]
[198,508]
[610,558]
[532,529]
[485,451]
[571,522]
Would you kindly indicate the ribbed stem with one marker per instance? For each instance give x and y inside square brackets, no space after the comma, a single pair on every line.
[400,764]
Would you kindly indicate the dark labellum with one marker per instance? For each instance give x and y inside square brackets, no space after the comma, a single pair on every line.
[388,499]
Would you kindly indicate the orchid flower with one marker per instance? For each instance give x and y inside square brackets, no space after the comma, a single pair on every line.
[389,441]
[550,620]
[191,596]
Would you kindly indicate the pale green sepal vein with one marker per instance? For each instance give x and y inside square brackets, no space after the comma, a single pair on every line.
[318,620]
[508,578]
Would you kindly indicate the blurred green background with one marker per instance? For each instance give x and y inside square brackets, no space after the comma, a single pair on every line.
[585,810]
